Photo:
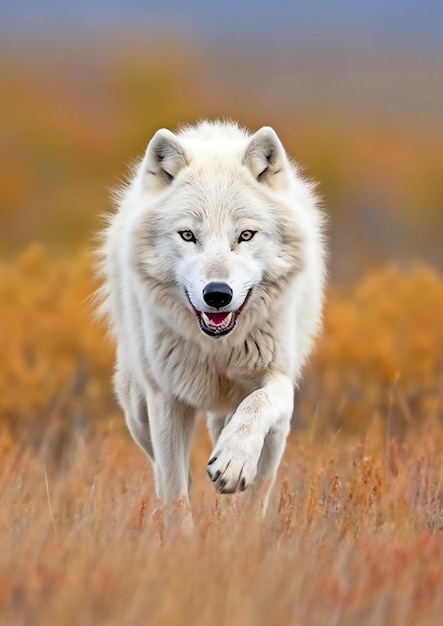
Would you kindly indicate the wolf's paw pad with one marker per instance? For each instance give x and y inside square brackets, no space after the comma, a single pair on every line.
[231,468]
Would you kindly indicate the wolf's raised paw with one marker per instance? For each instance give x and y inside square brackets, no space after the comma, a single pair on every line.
[233,465]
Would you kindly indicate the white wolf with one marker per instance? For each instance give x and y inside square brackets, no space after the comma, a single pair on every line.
[214,271]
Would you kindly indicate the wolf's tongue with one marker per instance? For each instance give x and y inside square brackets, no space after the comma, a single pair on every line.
[217,318]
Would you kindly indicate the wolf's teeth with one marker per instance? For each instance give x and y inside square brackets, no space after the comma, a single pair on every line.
[207,320]
[229,318]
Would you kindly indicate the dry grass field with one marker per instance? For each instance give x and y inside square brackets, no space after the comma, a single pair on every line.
[354,532]
[353,537]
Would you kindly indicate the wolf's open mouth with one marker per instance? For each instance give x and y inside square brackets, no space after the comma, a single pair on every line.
[219,323]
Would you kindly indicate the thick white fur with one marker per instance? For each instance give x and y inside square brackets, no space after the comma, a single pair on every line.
[216,180]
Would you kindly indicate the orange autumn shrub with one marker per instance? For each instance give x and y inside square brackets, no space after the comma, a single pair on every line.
[56,361]
[381,352]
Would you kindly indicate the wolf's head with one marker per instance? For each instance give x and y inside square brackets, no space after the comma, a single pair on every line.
[219,228]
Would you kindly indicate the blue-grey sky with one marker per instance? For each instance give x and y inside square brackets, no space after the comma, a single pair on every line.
[415,24]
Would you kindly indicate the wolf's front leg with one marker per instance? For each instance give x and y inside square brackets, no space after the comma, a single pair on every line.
[234,461]
[171,424]
[273,448]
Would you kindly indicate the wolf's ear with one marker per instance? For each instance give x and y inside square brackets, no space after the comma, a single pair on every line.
[163,160]
[266,158]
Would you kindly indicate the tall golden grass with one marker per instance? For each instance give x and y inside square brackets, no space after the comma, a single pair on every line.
[353,534]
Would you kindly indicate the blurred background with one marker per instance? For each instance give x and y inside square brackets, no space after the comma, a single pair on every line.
[355,91]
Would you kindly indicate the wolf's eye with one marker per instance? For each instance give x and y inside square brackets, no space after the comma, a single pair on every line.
[246,235]
[187,235]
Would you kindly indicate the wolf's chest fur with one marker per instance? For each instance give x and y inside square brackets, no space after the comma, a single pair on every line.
[217,379]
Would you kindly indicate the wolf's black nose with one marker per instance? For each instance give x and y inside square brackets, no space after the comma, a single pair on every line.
[217,295]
